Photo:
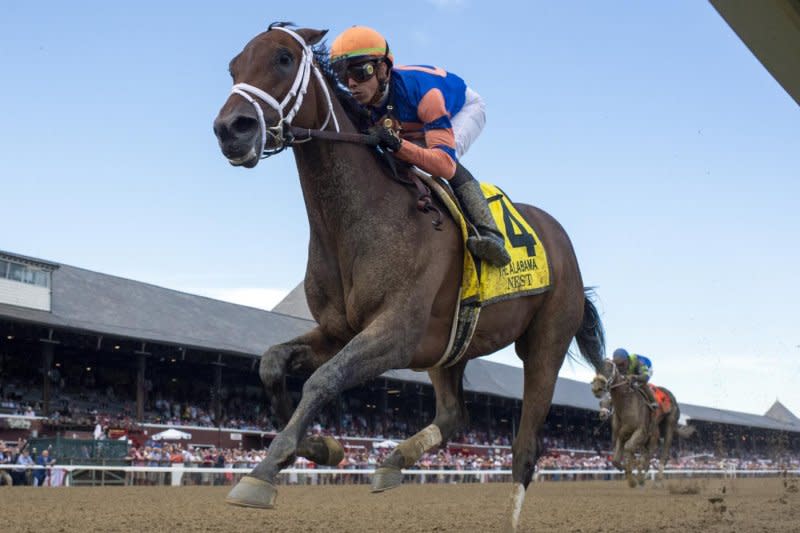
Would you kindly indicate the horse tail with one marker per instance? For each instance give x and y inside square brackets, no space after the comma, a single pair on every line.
[591,337]
[685,432]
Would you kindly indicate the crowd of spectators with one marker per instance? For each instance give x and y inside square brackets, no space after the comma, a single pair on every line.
[484,449]
[27,465]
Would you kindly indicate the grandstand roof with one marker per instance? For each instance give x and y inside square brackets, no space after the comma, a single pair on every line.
[779,412]
[109,305]
[506,381]
[294,304]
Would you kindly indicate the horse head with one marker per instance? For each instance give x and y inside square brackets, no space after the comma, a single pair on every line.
[605,379]
[273,86]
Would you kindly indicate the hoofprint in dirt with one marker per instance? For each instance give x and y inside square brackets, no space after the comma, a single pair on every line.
[743,505]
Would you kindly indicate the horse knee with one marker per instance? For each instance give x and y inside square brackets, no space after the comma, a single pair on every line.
[272,368]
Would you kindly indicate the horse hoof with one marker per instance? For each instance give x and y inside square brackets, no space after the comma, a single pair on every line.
[386,477]
[252,492]
[323,450]
[335,450]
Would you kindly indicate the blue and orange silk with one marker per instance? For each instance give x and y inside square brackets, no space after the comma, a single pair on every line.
[425,99]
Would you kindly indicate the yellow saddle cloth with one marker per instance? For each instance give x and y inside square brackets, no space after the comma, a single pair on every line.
[483,284]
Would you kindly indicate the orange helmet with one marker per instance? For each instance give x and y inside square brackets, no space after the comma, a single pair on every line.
[360,42]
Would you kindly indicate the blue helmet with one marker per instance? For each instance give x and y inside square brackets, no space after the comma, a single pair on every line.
[620,354]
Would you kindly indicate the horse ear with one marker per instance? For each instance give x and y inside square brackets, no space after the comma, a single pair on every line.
[310,36]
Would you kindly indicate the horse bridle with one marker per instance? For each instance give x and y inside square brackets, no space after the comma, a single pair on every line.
[283,134]
[279,133]
[615,380]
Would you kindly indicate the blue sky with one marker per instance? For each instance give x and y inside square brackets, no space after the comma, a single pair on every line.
[649,130]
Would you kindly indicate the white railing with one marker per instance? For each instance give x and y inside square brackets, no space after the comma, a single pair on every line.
[68,475]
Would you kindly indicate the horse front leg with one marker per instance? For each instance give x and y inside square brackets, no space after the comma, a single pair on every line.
[616,459]
[303,354]
[633,444]
[383,345]
[451,416]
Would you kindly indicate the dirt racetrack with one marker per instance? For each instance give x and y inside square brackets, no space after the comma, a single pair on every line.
[747,505]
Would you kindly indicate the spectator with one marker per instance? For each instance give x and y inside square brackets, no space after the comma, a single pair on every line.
[5,459]
[22,475]
[41,474]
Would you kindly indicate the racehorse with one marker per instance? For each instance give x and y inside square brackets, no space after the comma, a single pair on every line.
[635,427]
[381,280]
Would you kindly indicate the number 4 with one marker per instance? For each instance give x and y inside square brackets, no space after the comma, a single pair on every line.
[518,236]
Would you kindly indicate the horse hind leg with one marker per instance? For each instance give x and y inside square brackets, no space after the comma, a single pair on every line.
[644,467]
[451,416]
[543,352]
[669,431]
[648,452]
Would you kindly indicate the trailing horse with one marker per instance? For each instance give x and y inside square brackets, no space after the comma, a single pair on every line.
[635,427]
[381,281]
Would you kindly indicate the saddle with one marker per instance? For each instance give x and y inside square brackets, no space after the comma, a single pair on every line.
[662,399]
[482,284]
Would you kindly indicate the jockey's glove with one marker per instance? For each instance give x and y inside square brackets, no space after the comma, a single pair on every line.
[385,138]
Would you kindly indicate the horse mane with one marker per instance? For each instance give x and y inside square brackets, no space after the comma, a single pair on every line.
[357,113]
[279,24]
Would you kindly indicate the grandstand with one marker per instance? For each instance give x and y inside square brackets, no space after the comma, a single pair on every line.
[77,344]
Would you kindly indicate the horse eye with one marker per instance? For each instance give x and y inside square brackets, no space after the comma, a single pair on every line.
[285,59]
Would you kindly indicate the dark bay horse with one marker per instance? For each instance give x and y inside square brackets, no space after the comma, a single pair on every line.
[381,281]
[635,428]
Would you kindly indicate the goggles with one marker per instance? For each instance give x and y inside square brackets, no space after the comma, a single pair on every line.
[359,72]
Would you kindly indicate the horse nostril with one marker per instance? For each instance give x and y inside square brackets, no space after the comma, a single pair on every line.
[221,130]
[243,125]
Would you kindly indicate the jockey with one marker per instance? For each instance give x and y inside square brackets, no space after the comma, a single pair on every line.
[426,117]
[638,369]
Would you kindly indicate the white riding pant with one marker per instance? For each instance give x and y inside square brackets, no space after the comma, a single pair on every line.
[468,122]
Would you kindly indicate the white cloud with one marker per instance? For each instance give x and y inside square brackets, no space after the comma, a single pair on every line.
[257,297]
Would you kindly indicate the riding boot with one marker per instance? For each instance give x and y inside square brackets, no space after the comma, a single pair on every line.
[489,243]
[650,396]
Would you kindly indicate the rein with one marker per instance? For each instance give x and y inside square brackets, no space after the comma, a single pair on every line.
[305,134]
[424,198]
[617,380]
[283,134]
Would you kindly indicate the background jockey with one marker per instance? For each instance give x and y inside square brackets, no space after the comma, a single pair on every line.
[426,117]
[638,369]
